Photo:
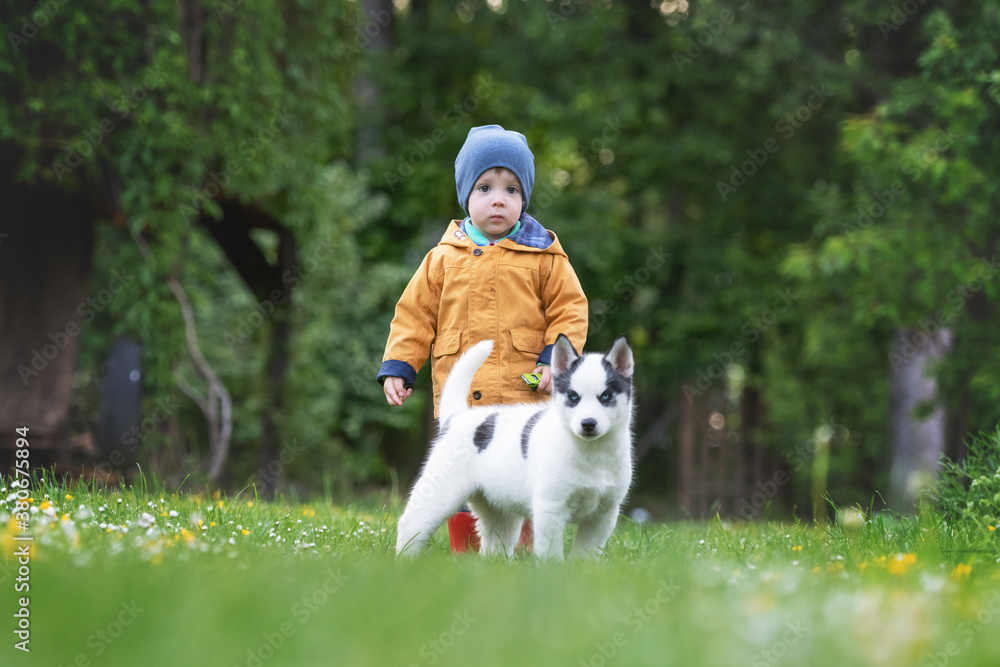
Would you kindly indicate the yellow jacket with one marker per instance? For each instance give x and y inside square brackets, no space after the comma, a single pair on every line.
[521,293]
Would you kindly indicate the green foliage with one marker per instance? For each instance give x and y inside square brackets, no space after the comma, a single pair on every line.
[968,491]
[263,117]
[650,126]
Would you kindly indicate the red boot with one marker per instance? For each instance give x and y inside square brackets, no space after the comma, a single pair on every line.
[462,532]
[527,536]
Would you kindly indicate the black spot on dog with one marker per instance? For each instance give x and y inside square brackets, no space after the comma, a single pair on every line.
[616,383]
[561,381]
[526,433]
[484,432]
[443,428]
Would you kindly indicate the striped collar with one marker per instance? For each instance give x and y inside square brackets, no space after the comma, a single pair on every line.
[527,232]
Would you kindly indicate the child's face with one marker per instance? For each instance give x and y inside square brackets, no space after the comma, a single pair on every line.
[495,202]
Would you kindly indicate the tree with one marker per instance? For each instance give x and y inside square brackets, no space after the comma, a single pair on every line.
[166,119]
[909,242]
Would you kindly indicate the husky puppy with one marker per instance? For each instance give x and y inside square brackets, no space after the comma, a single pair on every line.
[567,460]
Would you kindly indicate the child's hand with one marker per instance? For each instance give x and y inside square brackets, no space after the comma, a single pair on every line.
[395,390]
[545,384]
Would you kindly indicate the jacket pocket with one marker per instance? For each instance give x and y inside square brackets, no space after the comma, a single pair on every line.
[528,344]
[447,343]
[528,340]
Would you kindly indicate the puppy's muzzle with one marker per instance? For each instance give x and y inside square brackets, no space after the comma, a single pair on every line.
[589,426]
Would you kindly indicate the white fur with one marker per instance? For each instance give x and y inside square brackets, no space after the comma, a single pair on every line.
[568,475]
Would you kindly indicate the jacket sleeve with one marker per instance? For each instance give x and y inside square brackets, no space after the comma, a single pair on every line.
[414,325]
[565,307]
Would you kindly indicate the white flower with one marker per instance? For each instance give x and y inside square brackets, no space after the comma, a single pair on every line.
[146,520]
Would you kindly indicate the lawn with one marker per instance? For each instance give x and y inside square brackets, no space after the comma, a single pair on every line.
[137,576]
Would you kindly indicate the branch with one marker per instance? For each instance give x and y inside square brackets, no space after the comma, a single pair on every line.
[218,399]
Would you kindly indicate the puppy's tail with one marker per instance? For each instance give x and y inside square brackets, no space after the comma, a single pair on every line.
[456,387]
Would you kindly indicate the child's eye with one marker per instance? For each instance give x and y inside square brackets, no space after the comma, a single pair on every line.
[484,188]
[512,190]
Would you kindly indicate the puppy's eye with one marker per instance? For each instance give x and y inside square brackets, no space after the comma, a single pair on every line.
[573,397]
[606,396]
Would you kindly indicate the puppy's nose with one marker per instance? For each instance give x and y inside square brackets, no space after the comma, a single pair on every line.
[588,425]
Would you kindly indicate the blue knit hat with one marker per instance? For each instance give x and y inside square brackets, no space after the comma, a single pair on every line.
[491,146]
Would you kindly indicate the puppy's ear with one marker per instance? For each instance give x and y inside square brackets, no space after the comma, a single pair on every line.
[620,357]
[563,355]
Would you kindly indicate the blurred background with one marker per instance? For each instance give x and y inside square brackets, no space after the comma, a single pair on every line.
[209,210]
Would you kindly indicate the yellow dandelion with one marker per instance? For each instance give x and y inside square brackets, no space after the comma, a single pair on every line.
[992,528]
[246,532]
[220,503]
[961,571]
[836,567]
[110,529]
[216,495]
[164,513]
[817,570]
[308,511]
[211,524]
[45,505]
[188,536]
[863,566]
[901,563]
[65,517]
[249,503]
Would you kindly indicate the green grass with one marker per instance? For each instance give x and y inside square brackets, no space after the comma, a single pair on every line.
[300,584]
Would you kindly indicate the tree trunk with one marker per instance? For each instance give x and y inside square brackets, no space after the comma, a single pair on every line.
[685,454]
[271,286]
[376,24]
[46,241]
[918,420]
